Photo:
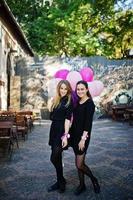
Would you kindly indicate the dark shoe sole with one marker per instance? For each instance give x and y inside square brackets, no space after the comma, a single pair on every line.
[52,188]
[78,192]
[61,191]
[62,186]
[96,187]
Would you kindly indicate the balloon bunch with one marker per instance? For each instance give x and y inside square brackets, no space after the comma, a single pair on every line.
[86,74]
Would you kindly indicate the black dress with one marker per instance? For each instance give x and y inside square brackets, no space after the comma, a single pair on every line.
[82,121]
[58,116]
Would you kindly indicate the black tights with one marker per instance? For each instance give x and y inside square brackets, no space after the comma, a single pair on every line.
[56,159]
[83,169]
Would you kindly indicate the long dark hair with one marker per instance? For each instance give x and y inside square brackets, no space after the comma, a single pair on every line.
[86,86]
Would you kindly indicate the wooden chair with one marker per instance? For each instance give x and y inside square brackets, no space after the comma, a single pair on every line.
[7,134]
[21,126]
[29,118]
[11,119]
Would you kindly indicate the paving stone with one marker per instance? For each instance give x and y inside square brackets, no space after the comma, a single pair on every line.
[29,172]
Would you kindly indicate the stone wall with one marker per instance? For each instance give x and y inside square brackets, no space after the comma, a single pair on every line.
[33,85]
[15,92]
[10,53]
[116,76]
[117,81]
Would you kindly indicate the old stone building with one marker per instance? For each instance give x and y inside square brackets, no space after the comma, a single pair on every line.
[14,48]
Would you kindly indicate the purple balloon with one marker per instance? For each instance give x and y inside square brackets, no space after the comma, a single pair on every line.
[61,74]
[87,74]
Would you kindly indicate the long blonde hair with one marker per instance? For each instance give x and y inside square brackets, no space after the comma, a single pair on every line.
[57,98]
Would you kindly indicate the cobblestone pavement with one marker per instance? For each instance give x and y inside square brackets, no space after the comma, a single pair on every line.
[110,156]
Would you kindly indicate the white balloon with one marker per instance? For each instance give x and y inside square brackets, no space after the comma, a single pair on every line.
[52,84]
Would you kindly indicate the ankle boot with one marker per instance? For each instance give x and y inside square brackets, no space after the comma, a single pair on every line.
[80,189]
[96,185]
[62,185]
[53,187]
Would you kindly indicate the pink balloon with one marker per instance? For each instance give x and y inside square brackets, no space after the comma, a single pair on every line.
[99,87]
[87,74]
[95,88]
[61,74]
[92,88]
[73,77]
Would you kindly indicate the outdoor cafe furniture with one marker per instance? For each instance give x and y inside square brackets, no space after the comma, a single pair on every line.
[7,116]
[28,117]
[21,126]
[129,115]
[10,125]
[6,133]
[22,120]
[19,123]
[118,111]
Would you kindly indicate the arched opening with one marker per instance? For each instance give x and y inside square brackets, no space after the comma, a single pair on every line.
[8,68]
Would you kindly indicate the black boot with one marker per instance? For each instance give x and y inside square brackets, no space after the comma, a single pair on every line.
[80,189]
[96,185]
[62,185]
[53,187]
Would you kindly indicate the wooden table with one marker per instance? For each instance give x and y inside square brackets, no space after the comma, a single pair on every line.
[118,111]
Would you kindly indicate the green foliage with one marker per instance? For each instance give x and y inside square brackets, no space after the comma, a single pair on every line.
[75,27]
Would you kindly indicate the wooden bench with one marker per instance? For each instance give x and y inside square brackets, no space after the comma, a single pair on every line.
[118,111]
[129,115]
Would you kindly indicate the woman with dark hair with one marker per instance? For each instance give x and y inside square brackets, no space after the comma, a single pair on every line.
[81,133]
[60,113]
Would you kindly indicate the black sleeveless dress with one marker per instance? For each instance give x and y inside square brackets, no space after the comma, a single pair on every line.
[82,121]
[58,116]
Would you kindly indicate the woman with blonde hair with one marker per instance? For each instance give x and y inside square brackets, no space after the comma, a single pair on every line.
[60,114]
